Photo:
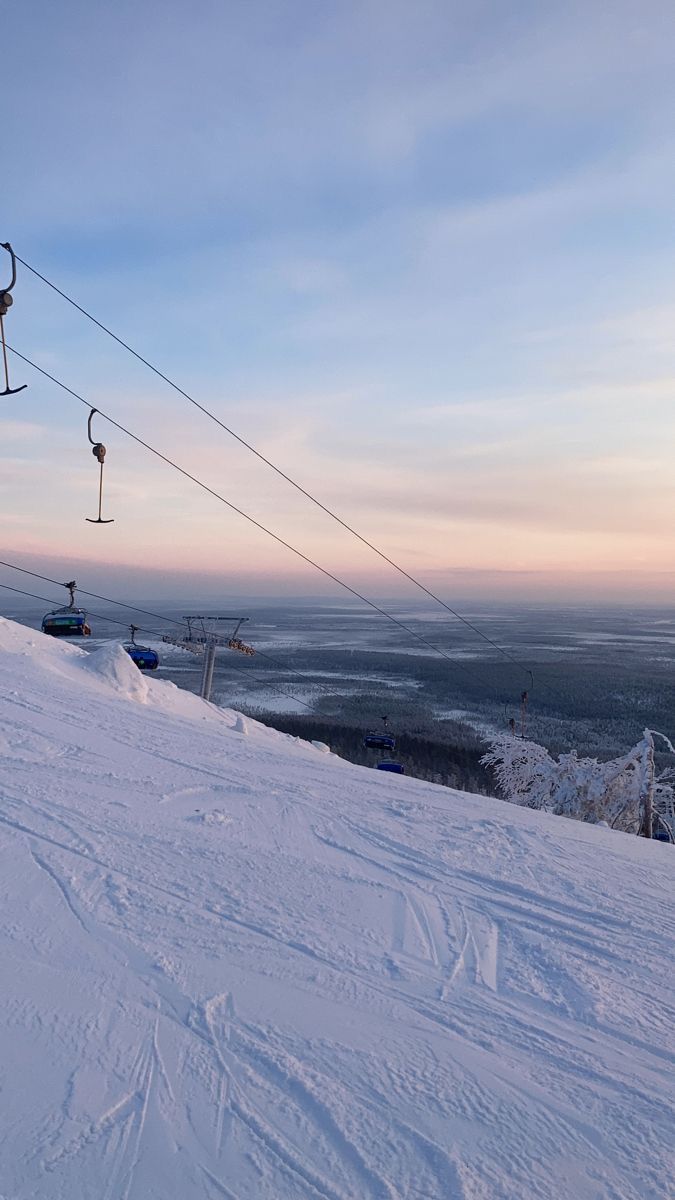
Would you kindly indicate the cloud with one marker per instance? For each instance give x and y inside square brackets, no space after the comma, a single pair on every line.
[243,113]
[20,431]
[419,257]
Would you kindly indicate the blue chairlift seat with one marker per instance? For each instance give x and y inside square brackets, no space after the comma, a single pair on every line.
[145,658]
[66,622]
[394,767]
[379,741]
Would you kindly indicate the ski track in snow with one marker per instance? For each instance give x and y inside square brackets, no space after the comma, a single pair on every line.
[235,967]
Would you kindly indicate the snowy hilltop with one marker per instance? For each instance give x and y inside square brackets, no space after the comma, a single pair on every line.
[236,967]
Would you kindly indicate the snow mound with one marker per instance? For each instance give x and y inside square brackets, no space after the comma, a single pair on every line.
[237,966]
[18,639]
[114,666]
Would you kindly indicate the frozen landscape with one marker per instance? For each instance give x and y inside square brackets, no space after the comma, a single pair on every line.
[600,673]
[236,967]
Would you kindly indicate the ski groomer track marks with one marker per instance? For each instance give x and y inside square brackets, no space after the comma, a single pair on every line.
[237,968]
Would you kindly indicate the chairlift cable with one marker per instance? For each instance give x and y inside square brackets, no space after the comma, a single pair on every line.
[157,617]
[99,616]
[279,471]
[299,675]
[264,682]
[111,620]
[257,524]
[96,596]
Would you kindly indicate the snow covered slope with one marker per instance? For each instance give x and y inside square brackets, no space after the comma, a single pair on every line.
[236,967]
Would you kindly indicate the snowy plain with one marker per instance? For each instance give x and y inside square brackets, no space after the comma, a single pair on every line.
[236,967]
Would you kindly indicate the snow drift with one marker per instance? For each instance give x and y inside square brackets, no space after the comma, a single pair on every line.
[234,966]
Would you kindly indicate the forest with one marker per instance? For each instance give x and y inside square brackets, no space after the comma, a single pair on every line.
[444,752]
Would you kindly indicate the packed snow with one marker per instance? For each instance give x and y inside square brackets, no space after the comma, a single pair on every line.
[235,967]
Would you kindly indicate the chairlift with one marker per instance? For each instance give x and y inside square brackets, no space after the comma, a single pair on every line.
[380,741]
[68,621]
[396,768]
[145,658]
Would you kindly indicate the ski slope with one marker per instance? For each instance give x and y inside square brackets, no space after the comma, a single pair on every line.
[236,967]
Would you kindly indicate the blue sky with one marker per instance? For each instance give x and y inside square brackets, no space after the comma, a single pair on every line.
[422,255]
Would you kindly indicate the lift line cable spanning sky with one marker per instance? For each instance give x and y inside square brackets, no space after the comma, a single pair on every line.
[141,629]
[298,674]
[278,470]
[58,604]
[257,524]
[158,617]
[96,596]
[172,620]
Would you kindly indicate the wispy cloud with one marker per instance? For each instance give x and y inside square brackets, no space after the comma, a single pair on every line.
[421,256]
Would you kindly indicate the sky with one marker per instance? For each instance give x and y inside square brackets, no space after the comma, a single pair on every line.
[420,255]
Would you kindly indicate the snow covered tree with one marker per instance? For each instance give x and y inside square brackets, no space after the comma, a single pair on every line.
[621,792]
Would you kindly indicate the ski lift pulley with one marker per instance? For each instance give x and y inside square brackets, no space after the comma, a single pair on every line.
[235,643]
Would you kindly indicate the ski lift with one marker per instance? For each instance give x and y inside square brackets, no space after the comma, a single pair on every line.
[511,721]
[98,450]
[6,301]
[68,621]
[380,741]
[145,658]
[396,768]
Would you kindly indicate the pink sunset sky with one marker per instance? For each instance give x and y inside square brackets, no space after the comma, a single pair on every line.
[419,256]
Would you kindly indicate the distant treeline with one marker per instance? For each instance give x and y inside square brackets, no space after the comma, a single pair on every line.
[596,706]
[453,764]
